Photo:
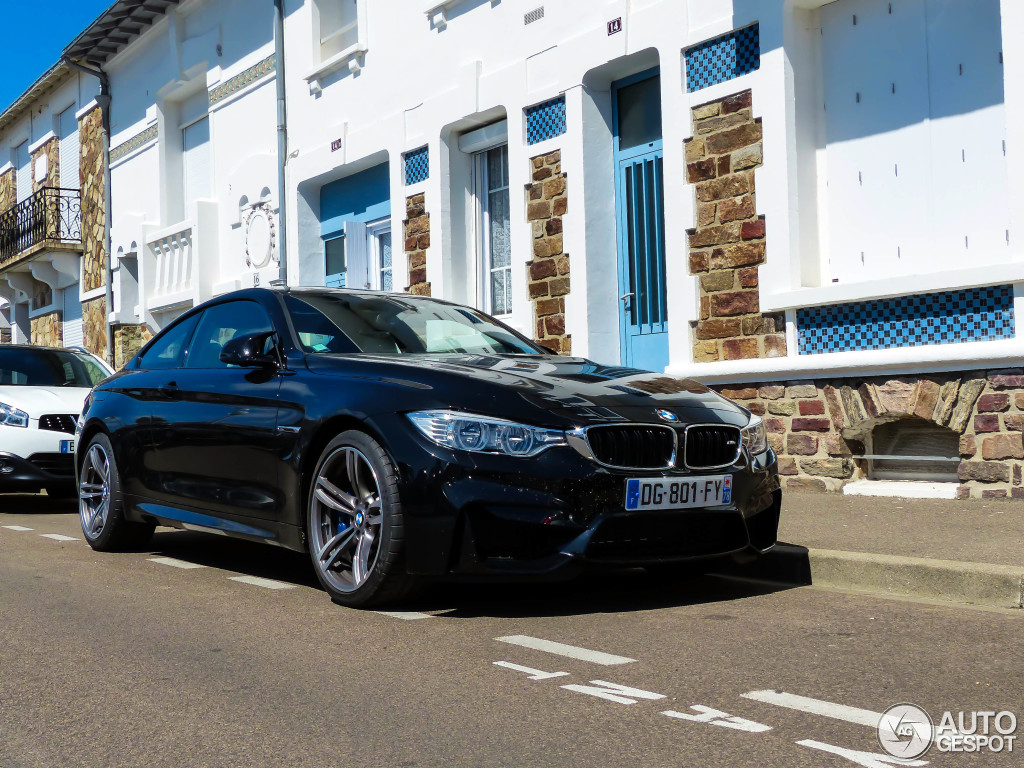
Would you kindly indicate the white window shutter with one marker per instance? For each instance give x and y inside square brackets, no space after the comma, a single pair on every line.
[357,256]
[69,149]
[24,161]
[72,329]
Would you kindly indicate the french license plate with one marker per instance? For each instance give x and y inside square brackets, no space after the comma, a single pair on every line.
[67,446]
[678,493]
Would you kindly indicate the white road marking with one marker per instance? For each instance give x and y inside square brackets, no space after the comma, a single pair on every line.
[256,581]
[58,537]
[715,717]
[535,674]
[406,615]
[17,528]
[620,694]
[175,563]
[549,646]
[867,759]
[817,707]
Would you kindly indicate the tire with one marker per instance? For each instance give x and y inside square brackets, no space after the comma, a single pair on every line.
[354,524]
[101,503]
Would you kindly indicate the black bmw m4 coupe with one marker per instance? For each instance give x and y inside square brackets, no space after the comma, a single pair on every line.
[397,437]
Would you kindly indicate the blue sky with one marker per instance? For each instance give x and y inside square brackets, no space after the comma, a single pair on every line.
[34,42]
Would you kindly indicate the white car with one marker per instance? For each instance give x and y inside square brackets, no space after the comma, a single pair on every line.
[42,391]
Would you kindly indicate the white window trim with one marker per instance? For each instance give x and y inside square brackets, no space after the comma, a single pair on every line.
[482,229]
[353,56]
[374,230]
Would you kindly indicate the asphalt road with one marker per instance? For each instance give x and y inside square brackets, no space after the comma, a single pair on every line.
[119,660]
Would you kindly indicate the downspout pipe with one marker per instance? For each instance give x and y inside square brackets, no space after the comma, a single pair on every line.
[282,145]
[104,99]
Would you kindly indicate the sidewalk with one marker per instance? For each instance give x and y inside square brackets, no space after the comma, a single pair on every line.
[968,551]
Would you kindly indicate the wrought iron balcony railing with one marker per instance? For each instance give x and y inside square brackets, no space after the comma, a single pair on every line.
[51,214]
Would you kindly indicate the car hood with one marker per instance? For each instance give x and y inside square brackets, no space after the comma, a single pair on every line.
[569,387]
[39,401]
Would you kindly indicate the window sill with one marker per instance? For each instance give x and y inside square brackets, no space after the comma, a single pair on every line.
[904,285]
[352,56]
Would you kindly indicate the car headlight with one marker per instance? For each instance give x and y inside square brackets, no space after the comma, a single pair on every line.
[484,434]
[12,417]
[755,439]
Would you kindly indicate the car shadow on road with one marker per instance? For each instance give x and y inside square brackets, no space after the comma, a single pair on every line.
[242,557]
[621,590]
[36,504]
[605,591]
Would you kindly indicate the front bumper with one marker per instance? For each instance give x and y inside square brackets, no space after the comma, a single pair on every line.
[40,470]
[485,514]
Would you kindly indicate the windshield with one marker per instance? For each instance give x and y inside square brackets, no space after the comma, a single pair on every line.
[392,324]
[48,368]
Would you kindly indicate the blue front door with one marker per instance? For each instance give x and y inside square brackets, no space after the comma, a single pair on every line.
[640,212]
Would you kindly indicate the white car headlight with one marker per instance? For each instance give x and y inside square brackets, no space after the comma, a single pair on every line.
[12,417]
[484,434]
[755,439]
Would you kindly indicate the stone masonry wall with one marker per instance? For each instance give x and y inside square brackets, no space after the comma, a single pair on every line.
[818,428]
[94,326]
[46,330]
[94,244]
[8,190]
[728,242]
[129,339]
[417,240]
[546,202]
[50,150]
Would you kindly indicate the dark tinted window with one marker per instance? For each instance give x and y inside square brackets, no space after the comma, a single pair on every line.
[167,349]
[639,113]
[388,324]
[221,324]
[49,368]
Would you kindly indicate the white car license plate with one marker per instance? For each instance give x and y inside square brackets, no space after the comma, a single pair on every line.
[67,446]
[678,493]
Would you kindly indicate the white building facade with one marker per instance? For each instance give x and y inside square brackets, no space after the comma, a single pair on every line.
[44,280]
[809,205]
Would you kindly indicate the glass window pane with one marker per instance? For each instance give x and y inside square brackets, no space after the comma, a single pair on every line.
[385,261]
[639,112]
[501,248]
[334,253]
[221,324]
[167,350]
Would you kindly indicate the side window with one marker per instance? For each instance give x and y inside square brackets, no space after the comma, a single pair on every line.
[167,349]
[219,325]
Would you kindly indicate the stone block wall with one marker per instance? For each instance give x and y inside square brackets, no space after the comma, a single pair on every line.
[47,330]
[819,428]
[51,151]
[129,339]
[547,202]
[728,243]
[94,212]
[417,240]
[94,326]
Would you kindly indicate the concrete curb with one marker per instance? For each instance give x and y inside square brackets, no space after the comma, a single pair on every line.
[1000,586]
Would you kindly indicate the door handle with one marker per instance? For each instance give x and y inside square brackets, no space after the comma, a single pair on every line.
[170,389]
[626,296]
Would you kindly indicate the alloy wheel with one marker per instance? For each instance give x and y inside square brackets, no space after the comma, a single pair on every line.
[346,520]
[94,490]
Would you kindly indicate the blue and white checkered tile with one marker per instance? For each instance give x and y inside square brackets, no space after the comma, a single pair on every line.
[723,58]
[952,317]
[417,165]
[545,120]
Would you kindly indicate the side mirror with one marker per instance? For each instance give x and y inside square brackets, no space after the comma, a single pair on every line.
[247,351]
